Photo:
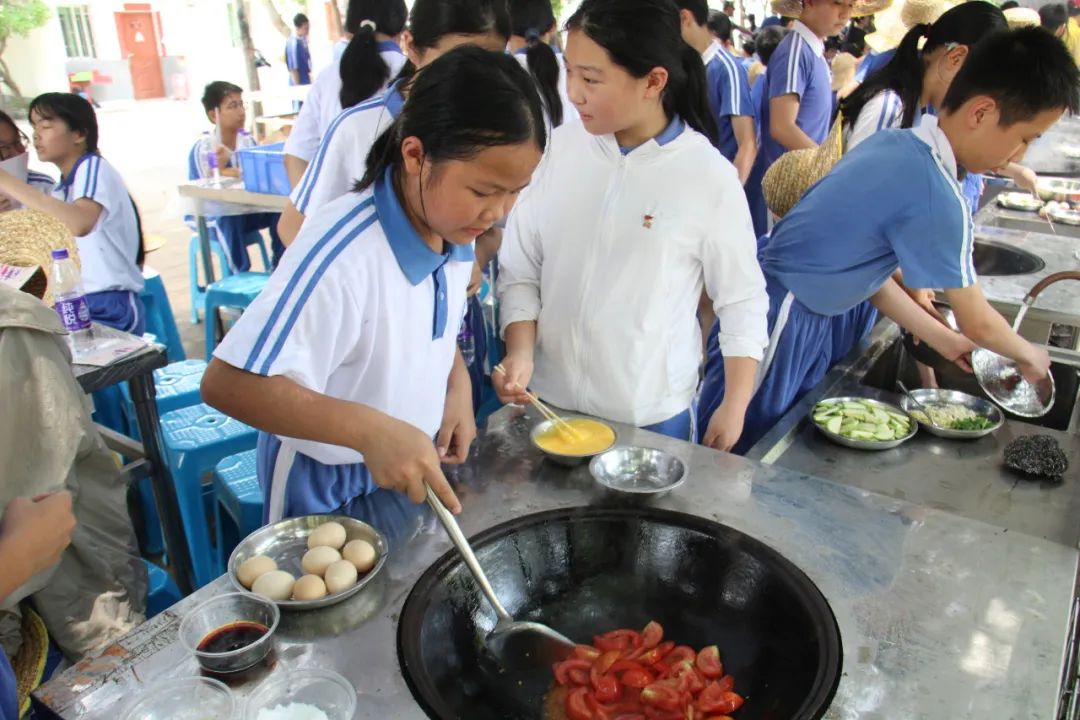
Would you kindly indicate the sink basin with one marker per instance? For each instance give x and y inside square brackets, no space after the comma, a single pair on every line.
[993,259]
[896,363]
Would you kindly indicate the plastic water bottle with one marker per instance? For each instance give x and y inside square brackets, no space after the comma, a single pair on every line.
[71,303]
[467,343]
[215,171]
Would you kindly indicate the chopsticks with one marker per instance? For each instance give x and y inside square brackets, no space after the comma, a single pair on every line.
[547,412]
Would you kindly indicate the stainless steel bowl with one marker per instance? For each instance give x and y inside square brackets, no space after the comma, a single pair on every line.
[865,444]
[979,406]
[1025,202]
[1064,216]
[1059,189]
[286,543]
[1000,378]
[567,460]
[638,470]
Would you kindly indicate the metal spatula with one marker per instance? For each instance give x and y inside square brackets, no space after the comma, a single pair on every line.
[517,645]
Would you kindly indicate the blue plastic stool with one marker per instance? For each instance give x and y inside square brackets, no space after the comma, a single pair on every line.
[238,509]
[235,291]
[198,292]
[160,320]
[196,439]
[161,591]
[177,386]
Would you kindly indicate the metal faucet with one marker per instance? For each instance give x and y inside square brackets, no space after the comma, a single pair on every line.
[1047,282]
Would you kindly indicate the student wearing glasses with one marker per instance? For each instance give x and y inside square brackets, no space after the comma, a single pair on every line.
[13,147]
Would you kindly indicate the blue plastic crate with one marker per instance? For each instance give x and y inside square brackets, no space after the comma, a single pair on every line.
[263,168]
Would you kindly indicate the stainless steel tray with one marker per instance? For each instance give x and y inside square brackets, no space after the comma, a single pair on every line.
[980,406]
[865,444]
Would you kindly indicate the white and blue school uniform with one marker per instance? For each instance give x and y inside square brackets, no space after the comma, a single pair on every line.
[798,67]
[608,251]
[298,58]
[729,94]
[838,246]
[883,111]
[323,103]
[233,230]
[9,693]
[755,196]
[40,181]
[111,279]
[872,63]
[341,159]
[360,309]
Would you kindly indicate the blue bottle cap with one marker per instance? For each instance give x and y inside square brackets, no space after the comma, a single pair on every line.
[60,254]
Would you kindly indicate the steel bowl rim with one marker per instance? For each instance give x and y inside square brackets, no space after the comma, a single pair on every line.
[188,618]
[996,414]
[864,444]
[382,547]
[545,424]
[1049,405]
[667,488]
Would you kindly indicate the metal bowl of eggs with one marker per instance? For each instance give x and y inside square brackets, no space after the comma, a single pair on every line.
[308,562]
[572,440]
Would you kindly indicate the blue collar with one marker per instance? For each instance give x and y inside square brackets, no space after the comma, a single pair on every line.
[65,182]
[672,131]
[388,46]
[416,260]
[393,99]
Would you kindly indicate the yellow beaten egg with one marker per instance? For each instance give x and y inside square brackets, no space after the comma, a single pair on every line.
[583,437]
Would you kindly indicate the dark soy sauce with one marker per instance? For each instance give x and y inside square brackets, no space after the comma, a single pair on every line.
[233,636]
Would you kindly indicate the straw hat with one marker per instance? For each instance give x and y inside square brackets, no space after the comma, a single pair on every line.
[793,174]
[793,8]
[893,24]
[843,70]
[27,239]
[1019,17]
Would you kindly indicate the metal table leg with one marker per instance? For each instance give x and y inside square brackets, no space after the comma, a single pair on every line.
[143,394]
[208,271]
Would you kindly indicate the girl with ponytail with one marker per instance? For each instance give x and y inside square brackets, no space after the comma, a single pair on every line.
[532,27]
[918,78]
[631,216]
[370,60]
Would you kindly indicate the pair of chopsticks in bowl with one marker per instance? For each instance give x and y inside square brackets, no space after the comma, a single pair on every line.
[547,412]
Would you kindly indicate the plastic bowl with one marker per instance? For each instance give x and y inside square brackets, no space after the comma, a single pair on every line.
[194,698]
[223,610]
[324,689]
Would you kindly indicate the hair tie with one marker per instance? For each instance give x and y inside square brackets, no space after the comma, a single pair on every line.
[369,24]
[532,34]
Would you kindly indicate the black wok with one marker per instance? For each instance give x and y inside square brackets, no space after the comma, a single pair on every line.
[588,570]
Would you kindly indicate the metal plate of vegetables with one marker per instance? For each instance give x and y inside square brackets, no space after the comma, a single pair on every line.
[862,423]
[953,414]
[1019,201]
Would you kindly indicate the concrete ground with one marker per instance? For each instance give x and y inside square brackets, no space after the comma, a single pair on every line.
[148,142]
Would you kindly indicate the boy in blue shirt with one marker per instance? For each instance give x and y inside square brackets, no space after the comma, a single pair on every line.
[895,205]
[297,56]
[727,85]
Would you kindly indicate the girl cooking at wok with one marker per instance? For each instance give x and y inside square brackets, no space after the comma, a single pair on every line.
[347,361]
[605,258]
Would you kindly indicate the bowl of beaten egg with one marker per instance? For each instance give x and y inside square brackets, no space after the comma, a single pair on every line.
[575,442]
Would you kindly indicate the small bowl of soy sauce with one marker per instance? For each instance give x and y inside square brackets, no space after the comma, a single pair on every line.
[230,633]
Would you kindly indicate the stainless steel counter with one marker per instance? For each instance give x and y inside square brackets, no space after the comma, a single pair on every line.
[941,616]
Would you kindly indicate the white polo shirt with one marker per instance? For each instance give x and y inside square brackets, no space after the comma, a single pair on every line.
[342,156]
[108,251]
[609,253]
[360,309]
[323,102]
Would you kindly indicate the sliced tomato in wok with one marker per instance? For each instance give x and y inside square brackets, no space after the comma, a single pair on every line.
[652,635]
[577,705]
[618,640]
[708,662]
[563,669]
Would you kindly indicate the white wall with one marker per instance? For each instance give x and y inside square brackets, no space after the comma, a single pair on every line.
[36,62]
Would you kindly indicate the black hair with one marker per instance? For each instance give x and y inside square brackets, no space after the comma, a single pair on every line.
[832,43]
[698,8]
[749,47]
[299,20]
[140,250]
[431,20]
[1009,5]
[5,119]
[74,111]
[965,24]
[767,40]
[1026,72]
[854,42]
[719,24]
[530,19]
[641,35]
[215,93]
[1074,10]
[467,100]
[363,70]
[1053,16]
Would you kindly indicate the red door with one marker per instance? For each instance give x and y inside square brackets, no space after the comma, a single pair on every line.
[139,43]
